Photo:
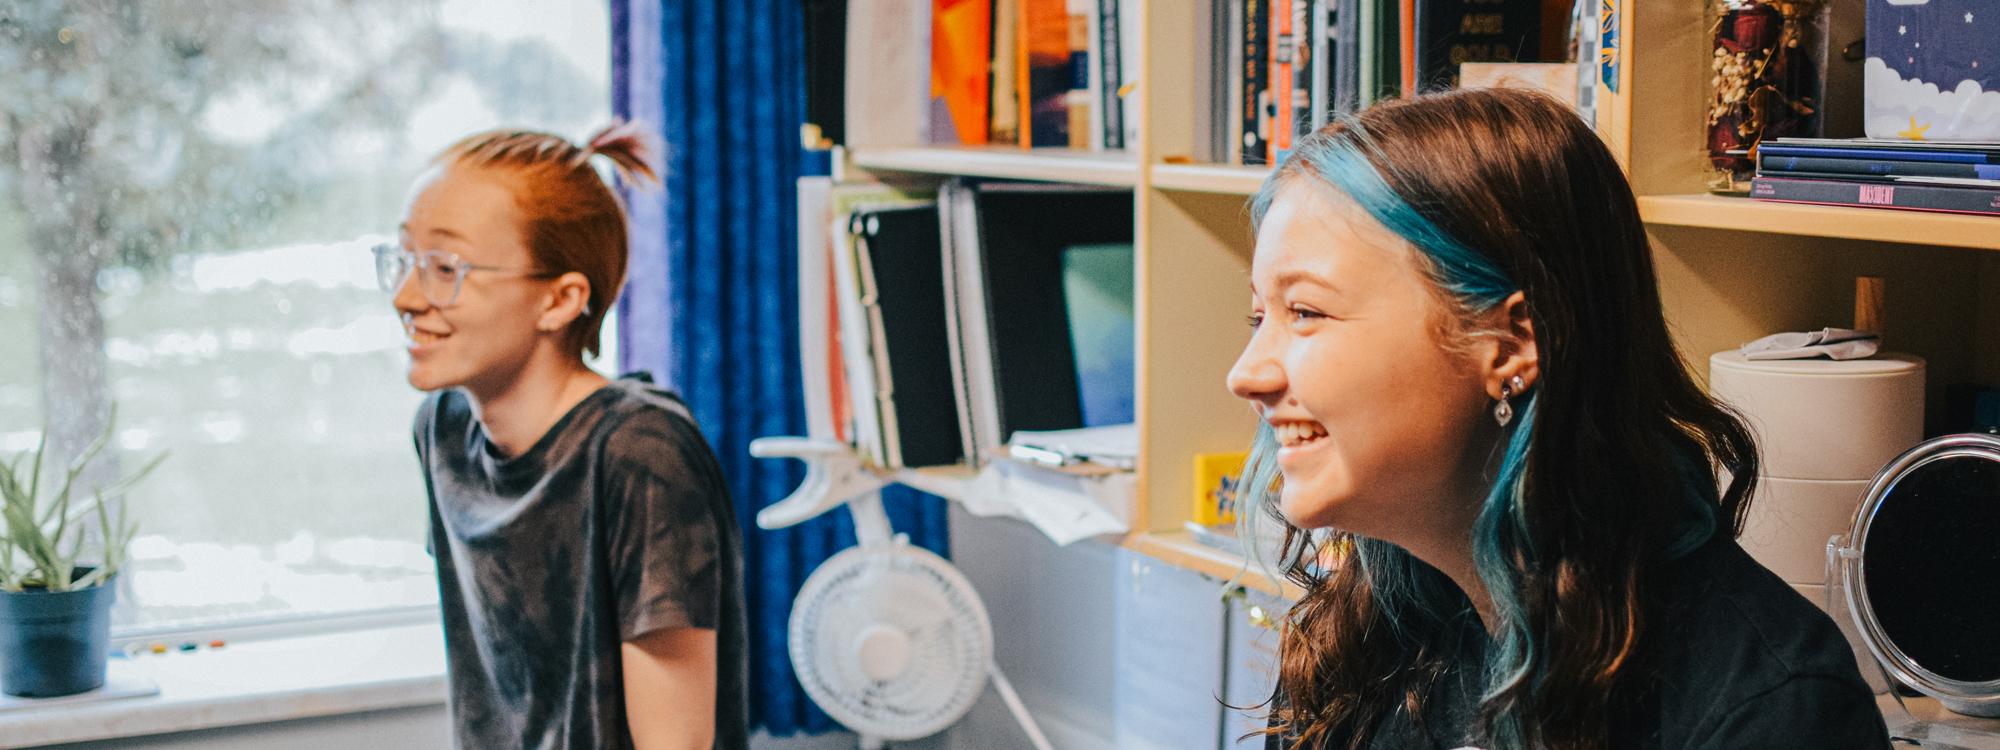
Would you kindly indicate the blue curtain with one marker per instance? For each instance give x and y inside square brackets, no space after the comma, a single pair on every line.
[710,303]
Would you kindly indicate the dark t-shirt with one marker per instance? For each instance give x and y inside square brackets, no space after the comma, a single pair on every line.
[615,524]
[1746,662]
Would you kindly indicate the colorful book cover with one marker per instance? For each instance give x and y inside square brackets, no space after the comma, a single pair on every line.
[1255,105]
[1292,45]
[961,53]
[1215,476]
[1932,70]
[1904,195]
[1044,73]
[1006,110]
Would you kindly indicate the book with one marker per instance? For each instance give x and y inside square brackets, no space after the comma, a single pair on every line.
[1211,85]
[1290,52]
[900,263]
[856,416]
[1043,70]
[1130,15]
[1110,73]
[1017,252]
[888,76]
[1772,164]
[1005,89]
[1871,149]
[1452,32]
[1077,99]
[1340,62]
[1914,196]
[1929,68]
[961,51]
[1254,101]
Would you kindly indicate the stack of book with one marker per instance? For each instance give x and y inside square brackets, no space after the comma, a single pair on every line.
[1913,175]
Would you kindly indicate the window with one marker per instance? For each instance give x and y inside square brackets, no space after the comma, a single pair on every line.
[205,177]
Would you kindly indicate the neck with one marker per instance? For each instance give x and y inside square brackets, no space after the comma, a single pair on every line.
[518,412]
[1454,559]
[1445,542]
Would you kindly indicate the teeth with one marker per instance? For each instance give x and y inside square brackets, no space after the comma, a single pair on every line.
[1294,433]
[419,336]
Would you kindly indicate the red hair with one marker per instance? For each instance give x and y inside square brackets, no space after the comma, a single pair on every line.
[572,221]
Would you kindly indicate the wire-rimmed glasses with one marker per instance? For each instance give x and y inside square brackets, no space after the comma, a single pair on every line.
[440,275]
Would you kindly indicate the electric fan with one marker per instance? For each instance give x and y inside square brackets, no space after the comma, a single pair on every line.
[887,637]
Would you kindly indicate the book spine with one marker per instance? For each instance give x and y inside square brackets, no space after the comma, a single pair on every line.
[1971,200]
[1284,53]
[1005,90]
[1877,167]
[1109,54]
[1221,56]
[1256,91]
[1077,99]
[1343,60]
[1887,154]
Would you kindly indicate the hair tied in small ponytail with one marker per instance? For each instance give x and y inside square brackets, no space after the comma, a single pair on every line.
[632,150]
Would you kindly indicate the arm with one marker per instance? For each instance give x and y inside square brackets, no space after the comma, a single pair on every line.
[670,689]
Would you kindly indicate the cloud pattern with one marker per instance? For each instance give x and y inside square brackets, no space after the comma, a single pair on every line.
[1965,113]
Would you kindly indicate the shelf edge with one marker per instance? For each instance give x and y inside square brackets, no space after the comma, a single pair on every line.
[1178,548]
[1844,222]
[1041,165]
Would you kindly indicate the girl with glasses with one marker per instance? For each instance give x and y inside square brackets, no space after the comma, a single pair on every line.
[1497,478]
[588,554]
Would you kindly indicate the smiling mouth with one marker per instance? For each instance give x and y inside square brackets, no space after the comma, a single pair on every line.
[1298,434]
[421,337]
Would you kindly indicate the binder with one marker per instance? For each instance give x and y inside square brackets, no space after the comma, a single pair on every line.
[899,263]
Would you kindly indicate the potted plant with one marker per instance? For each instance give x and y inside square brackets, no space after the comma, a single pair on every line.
[55,615]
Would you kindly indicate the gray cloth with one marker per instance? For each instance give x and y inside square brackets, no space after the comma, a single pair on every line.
[1745,662]
[616,524]
[1832,343]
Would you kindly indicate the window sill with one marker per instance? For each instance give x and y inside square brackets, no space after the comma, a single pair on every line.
[252,683]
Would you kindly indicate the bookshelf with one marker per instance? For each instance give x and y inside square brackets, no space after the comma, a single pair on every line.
[1731,269]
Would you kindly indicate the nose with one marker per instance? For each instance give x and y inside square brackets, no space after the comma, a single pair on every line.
[410,298]
[1258,374]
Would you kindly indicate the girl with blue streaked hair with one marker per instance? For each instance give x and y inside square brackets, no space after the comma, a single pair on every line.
[1496,475]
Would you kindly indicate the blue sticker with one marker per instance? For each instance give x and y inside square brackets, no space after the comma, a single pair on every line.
[1607,48]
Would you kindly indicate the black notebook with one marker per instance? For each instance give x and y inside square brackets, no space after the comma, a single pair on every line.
[899,256]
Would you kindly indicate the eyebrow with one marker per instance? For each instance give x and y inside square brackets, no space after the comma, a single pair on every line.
[1290,278]
[438,230]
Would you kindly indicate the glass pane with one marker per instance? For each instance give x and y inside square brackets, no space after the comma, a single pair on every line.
[241,159]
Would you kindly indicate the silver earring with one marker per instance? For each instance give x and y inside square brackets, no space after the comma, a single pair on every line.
[1504,411]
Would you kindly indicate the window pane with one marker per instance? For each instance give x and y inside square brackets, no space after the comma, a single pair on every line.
[206,178]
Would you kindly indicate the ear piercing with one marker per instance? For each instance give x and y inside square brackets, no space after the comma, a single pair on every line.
[1504,411]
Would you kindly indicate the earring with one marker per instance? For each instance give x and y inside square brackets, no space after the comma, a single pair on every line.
[1504,411]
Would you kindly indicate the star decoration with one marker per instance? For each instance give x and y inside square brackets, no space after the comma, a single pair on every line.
[1968,18]
[1915,133]
[1902,29]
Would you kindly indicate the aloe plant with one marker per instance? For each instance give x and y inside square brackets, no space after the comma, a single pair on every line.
[45,535]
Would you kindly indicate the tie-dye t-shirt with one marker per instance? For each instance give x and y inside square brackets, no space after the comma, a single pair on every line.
[614,525]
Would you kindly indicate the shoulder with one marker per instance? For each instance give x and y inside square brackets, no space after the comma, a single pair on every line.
[1742,650]
[649,428]
[443,410]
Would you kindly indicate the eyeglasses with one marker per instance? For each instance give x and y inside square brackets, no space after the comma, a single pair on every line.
[440,275]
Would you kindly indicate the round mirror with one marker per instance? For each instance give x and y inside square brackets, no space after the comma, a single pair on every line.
[1926,585]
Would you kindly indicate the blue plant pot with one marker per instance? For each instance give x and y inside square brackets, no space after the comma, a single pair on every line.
[55,644]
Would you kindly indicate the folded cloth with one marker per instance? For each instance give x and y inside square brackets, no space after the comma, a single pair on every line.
[1832,343]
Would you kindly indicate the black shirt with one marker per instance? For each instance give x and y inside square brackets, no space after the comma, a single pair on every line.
[615,524]
[1746,662]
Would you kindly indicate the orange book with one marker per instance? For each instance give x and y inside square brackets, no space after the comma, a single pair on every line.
[961,55]
[1044,73]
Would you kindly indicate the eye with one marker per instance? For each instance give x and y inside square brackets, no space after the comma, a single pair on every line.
[1254,319]
[1300,313]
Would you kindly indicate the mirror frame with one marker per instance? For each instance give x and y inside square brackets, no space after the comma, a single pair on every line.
[1969,698]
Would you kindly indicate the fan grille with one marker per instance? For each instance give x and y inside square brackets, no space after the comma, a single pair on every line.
[915,592]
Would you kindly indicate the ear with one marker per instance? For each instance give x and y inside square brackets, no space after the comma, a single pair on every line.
[568,295]
[1515,354]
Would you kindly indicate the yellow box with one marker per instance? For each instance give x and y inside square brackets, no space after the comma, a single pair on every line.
[1215,478]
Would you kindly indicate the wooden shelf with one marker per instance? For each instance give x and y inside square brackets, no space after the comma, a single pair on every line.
[1180,548]
[1046,164]
[1210,178]
[1916,227]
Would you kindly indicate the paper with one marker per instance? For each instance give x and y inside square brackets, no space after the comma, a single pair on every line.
[1111,445]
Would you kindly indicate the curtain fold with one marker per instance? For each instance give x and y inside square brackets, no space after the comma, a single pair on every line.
[710,304]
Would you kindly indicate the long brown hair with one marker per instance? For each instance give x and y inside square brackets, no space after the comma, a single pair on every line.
[572,220]
[1609,470]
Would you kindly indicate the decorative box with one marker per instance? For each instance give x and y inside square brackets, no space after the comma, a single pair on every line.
[1933,70]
